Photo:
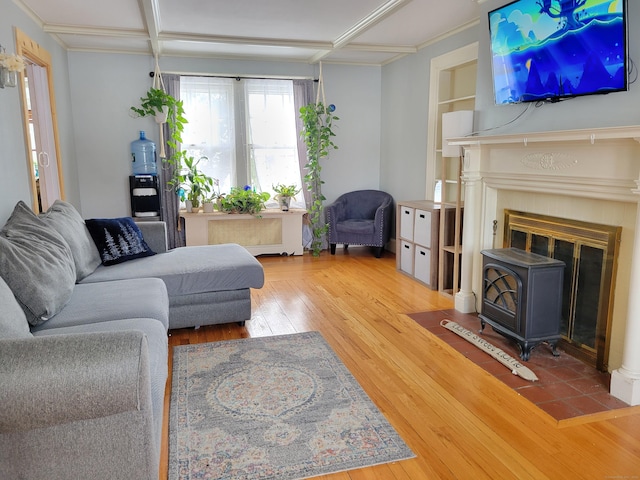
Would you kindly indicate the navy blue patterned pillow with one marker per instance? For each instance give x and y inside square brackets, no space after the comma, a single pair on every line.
[118,239]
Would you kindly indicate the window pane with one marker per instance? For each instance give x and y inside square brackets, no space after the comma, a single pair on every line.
[271,134]
[588,296]
[264,114]
[564,251]
[518,239]
[210,133]
[540,245]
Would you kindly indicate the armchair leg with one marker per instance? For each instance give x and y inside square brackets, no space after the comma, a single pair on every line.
[378,251]
[333,249]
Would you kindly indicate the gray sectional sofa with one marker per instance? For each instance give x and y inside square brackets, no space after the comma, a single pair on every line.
[83,346]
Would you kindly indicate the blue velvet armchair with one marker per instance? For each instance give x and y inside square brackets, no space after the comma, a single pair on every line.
[362,217]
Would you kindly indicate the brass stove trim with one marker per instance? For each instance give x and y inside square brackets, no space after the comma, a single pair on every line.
[604,237]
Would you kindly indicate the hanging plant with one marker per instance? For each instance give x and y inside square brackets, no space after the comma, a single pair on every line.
[318,136]
[161,105]
[165,108]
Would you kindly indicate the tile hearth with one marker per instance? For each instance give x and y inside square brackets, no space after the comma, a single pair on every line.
[567,388]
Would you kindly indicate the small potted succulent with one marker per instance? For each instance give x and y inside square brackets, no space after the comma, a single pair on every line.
[284,195]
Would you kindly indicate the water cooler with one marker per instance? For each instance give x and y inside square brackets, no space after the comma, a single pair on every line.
[145,197]
[143,184]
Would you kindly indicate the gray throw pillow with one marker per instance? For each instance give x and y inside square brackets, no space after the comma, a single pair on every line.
[66,220]
[37,264]
[13,323]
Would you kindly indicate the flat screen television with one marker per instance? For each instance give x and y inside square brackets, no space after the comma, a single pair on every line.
[549,50]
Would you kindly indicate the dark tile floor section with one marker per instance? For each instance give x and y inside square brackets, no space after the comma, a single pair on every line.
[567,387]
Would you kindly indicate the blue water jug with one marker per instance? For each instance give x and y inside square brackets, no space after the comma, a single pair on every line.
[143,156]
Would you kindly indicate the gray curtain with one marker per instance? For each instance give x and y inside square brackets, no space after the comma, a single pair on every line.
[303,94]
[170,201]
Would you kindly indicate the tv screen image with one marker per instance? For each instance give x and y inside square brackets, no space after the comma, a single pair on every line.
[547,50]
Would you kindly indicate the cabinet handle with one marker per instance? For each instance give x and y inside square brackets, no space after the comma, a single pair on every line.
[422,215]
[406,212]
[407,247]
[422,253]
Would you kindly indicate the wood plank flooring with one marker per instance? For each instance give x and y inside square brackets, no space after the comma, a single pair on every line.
[459,420]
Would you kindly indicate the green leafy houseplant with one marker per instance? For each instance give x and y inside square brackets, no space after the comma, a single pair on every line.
[158,102]
[244,200]
[318,136]
[196,184]
[284,195]
[286,190]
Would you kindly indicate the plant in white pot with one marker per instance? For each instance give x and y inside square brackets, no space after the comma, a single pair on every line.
[211,199]
[190,178]
[164,108]
[284,194]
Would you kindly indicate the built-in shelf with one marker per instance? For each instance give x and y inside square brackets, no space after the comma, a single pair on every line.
[452,88]
[458,99]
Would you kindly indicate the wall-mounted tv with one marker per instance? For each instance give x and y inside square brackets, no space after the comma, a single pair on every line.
[549,50]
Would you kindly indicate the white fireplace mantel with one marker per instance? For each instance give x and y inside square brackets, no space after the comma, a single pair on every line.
[589,135]
[582,172]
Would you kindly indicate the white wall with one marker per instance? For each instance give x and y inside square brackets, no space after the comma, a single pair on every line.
[405,101]
[381,132]
[14,173]
[614,109]
[105,86]
[405,108]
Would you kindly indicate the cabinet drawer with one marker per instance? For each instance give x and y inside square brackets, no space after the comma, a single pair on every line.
[406,222]
[422,228]
[406,257]
[422,268]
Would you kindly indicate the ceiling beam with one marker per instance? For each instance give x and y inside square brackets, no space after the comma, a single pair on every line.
[93,31]
[151,15]
[375,17]
[369,21]
[277,42]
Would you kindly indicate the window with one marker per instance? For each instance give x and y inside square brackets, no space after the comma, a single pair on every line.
[244,130]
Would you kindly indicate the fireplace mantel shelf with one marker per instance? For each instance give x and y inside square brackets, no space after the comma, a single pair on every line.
[591,135]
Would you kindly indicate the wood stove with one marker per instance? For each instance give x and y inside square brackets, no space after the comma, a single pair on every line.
[522,297]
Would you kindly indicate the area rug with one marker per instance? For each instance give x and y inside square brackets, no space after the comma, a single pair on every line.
[282,407]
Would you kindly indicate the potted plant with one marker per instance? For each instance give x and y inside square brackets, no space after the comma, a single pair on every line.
[317,134]
[157,104]
[191,179]
[244,200]
[284,195]
[165,108]
[210,200]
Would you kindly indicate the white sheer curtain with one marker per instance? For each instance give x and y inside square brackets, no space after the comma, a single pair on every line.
[48,175]
[271,134]
[211,131]
[244,130]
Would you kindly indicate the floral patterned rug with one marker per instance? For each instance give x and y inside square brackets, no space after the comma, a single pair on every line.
[281,407]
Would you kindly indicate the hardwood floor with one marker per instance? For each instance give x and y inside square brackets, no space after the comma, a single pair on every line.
[459,420]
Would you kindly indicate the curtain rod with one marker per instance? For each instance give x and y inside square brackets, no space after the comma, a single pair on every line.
[238,77]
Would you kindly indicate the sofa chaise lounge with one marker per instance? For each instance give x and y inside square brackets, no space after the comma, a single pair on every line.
[83,346]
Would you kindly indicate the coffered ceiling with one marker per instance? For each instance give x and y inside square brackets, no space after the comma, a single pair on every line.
[371,32]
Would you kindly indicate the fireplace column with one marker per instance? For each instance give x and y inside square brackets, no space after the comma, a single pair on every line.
[625,381]
[465,300]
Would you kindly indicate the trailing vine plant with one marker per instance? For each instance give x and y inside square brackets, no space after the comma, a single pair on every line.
[318,136]
[165,108]
[156,103]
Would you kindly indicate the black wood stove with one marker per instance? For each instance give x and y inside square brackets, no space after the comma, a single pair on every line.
[522,297]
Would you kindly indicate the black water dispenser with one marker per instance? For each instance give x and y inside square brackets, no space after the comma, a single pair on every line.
[145,197]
